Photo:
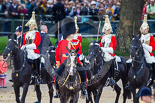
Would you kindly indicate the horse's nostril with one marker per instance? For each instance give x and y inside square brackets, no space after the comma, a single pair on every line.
[4,56]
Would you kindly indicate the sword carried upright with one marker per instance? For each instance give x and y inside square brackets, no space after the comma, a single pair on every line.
[22,32]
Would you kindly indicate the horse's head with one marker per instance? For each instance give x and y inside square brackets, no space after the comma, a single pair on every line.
[10,47]
[72,60]
[51,55]
[95,54]
[136,48]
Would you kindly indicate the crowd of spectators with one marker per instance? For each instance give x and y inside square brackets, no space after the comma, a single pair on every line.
[149,8]
[13,8]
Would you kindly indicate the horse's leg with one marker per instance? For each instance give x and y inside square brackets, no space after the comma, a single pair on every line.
[89,95]
[38,93]
[126,91]
[72,99]
[25,89]
[118,92]
[134,95]
[76,97]
[63,99]
[95,93]
[17,93]
[50,87]
[98,94]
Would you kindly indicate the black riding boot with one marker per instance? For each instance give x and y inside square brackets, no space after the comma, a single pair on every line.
[57,95]
[111,77]
[83,80]
[37,69]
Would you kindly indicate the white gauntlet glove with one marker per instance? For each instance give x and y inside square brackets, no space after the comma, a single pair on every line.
[103,49]
[147,47]
[23,47]
[109,50]
[31,46]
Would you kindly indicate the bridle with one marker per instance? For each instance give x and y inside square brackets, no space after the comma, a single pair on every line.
[10,51]
[96,55]
[136,53]
[13,57]
[138,61]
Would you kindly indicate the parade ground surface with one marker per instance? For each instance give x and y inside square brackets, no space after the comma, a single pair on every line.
[7,94]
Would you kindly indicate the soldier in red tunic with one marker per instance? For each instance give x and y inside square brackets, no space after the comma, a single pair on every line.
[108,45]
[148,44]
[68,31]
[31,42]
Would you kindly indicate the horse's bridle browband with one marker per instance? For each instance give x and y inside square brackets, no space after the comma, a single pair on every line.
[136,54]
[16,46]
[23,65]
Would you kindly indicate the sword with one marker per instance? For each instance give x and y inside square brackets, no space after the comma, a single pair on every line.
[98,30]
[58,31]
[22,32]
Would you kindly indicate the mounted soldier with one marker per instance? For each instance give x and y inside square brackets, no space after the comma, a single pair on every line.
[31,42]
[148,44]
[108,45]
[78,36]
[68,30]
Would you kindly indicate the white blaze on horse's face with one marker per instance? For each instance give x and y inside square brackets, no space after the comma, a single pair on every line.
[72,65]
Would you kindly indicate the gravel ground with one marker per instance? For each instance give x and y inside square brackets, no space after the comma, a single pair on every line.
[7,94]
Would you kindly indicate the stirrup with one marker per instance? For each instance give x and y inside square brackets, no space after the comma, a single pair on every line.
[57,95]
[84,94]
[38,81]
[112,82]
[127,86]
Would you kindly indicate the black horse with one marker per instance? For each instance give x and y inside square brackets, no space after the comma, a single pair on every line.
[98,74]
[69,82]
[22,72]
[139,72]
[96,66]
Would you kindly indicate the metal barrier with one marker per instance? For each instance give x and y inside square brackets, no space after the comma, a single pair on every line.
[87,27]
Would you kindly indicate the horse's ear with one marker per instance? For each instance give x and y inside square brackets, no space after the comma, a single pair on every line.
[77,50]
[15,37]
[9,36]
[54,48]
[139,35]
[68,49]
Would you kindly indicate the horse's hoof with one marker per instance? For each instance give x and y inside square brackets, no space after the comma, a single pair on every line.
[82,96]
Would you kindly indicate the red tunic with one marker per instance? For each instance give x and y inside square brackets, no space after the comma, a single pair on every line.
[61,51]
[152,43]
[37,41]
[113,44]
